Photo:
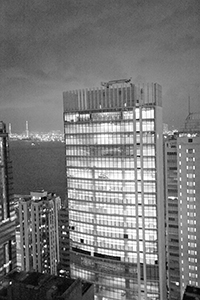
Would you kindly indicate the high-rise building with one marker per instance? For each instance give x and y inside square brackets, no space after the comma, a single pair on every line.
[182,177]
[114,167]
[188,153]
[38,218]
[7,214]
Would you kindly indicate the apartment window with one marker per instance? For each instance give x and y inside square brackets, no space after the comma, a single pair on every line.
[192,245]
[192,252]
[190,150]
[193,268]
[192,260]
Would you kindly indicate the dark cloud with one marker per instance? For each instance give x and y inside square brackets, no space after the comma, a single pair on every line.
[49,46]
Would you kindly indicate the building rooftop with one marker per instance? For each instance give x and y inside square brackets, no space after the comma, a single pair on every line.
[192,123]
[41,284]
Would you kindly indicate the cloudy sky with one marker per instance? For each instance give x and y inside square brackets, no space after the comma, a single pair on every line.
[49,46]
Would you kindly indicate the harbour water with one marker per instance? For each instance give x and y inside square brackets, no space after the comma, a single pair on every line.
[38,166]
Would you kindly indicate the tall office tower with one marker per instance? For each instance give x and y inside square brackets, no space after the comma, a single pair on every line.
[172,220]
[114,167]
[38,216]
[7,215]
[188,148]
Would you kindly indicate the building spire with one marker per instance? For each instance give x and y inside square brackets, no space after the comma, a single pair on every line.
[27,130]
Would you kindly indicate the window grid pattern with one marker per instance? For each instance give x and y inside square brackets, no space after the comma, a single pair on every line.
[111,181]
[188,214]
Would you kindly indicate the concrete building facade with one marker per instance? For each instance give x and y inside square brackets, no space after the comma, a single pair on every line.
[114,167]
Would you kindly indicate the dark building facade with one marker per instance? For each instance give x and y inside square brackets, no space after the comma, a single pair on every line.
[7,214]
[39,286]
[191,293]
[172,216]
[63,228]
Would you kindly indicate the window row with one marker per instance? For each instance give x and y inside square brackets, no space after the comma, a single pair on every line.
[110,151]
[111,162]
[111,174]
[122,127]
[107,139]
[142,112]
[148,199]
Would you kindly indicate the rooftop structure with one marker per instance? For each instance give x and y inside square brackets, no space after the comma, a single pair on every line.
[192,123]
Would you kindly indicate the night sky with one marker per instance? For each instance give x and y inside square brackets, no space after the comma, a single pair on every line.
[50,46]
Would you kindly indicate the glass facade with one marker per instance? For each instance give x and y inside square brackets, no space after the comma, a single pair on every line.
[112,200]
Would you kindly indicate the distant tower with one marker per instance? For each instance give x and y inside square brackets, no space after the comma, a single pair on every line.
[9,129]
[27,131]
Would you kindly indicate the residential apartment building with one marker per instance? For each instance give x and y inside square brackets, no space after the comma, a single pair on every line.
[182,177]
[39,239]
[114,167]
[7,214]
[188,145]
